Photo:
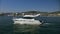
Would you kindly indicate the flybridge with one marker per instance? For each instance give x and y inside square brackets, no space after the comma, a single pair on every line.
[31,15]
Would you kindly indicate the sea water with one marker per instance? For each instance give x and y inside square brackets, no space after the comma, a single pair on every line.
[51,25]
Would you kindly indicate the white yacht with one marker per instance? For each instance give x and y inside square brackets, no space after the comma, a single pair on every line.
[27,19]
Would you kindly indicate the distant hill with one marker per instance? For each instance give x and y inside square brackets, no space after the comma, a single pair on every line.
[56,12]
[34,12]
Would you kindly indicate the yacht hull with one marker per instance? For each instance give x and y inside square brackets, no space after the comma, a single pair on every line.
[31,22]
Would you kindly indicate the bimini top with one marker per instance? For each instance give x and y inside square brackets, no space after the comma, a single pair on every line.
[31,15]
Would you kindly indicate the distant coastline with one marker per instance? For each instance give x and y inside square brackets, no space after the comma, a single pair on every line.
[56,13]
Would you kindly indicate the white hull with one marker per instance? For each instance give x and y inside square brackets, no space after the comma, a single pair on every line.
[27,21]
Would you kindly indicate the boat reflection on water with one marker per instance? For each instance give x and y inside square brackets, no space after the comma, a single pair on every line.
[28,29]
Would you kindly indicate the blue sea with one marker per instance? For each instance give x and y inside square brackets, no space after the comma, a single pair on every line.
[51,25]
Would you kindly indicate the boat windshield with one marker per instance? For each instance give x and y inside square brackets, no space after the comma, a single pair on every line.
[28,17]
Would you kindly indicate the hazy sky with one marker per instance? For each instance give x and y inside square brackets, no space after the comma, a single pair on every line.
[26,5]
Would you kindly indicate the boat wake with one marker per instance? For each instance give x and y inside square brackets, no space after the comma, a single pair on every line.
[47,24]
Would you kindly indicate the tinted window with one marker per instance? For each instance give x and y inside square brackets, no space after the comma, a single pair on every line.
[28,17]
